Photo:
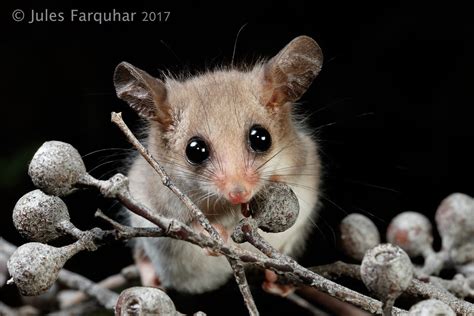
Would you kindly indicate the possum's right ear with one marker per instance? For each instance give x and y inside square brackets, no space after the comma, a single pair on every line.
[145,94]
[290,73]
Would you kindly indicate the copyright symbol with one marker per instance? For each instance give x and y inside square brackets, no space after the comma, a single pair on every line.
[18,15]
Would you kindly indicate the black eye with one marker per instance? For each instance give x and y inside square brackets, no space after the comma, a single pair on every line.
[259,139]
[197,151]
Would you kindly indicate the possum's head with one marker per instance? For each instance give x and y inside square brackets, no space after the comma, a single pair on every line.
[227,132]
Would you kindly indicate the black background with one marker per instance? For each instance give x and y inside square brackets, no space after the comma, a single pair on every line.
[392,106]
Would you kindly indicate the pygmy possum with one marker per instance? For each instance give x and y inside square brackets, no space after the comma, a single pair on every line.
[222,135]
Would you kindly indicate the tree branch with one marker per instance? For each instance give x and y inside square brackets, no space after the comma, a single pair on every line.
[105,297]
[309,277]
[127,275]
[416,289]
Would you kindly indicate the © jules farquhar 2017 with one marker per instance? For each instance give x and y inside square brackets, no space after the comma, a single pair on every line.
[82,16]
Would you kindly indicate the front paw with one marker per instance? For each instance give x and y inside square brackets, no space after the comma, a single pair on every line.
[222,232]
[270,285]
[148,276]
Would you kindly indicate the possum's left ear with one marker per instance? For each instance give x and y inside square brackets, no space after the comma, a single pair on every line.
[145,94]
[288,75]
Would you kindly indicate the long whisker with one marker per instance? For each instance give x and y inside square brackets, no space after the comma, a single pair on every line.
[107,174]
[276,154]
[289,168]
[298,185]
[371,214]
[339,122]
[331,229]
[185,174]
[235,43]
[205,174]
[293,174]
[370,185]
[334,204]
[106,149]
[103,164]
[203,197]
[331,104]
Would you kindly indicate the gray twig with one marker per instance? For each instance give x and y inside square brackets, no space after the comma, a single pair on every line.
[104,296]
[127,275]
[309,277]
[416,289]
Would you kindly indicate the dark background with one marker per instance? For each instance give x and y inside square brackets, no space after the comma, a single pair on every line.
[392,105]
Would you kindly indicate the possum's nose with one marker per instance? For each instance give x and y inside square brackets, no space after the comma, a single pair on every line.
[238,195]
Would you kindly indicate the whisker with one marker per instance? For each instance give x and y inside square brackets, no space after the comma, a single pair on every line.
[107,174]
[106,149]
[293,174]
[185,170]
[201,199]
[372,215]
[370,185]
[172,51]
[103,164]
[208,198]
[334,204]
[276,154]
[331,229]
[297,185]
[347,120]
[333,103]
[290,167]
[325,125]
[235,43]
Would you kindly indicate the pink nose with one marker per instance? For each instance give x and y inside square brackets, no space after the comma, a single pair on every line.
[238,196]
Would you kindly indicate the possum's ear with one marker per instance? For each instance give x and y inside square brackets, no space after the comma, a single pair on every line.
[145,94]
[290,73]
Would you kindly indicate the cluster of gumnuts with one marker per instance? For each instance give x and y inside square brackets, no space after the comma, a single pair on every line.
[387,270]
[41,216]
[57,170]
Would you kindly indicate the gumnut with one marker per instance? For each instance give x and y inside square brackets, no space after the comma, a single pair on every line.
[412,232]
[386,271]
[34,266]
[431,307]
[275,208]
[56,167]
[455,220]
[144,301]
[37,216]
[358,234]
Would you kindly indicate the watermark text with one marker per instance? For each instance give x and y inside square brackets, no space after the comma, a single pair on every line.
[82,16]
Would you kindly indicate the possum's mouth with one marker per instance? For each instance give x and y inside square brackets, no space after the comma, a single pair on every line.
[245,209]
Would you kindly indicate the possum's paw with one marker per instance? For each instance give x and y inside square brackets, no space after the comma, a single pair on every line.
[222,232]
[147,273]
[271,286]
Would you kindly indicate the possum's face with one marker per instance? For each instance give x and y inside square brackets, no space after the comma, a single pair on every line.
[226,132]
[223,134]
